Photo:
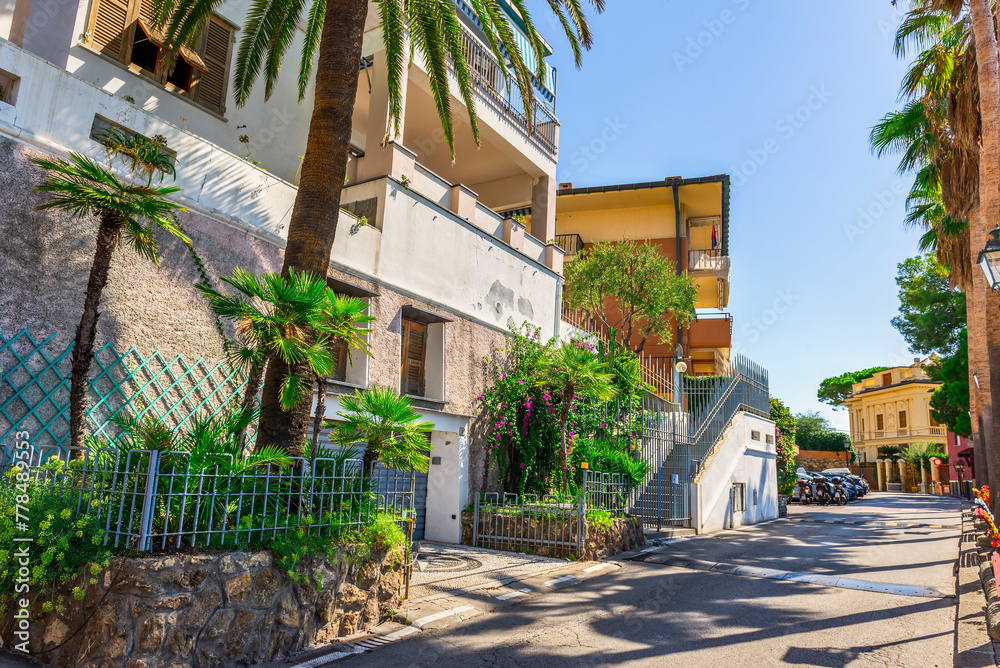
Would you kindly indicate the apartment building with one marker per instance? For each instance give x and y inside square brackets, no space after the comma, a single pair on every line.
[687,220]
[892,408]
[420,237]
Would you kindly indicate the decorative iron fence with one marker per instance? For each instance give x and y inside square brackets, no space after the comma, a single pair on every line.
[34,388]
[552,525]
[606,491]
[153,501]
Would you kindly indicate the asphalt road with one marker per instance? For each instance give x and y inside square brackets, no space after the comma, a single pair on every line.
[657,614]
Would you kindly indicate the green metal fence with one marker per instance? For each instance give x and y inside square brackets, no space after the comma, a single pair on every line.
[34,388]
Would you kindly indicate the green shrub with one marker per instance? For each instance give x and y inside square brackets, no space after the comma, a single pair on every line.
[64,543]
[608,456]
[383,533]
[599,519]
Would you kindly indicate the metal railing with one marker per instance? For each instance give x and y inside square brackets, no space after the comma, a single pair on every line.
[149,500]
[534,119]
[518,523]
[556,526]
[570,243]
[606,491]
[709,260]
[714,403]
[657,372]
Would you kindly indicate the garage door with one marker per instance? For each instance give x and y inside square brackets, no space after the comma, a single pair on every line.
[420,505]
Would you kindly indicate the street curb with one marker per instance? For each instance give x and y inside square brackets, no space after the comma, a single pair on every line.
[975,618]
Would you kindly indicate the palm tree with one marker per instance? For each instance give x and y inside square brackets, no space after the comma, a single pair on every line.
[389,427]
[575,372]
[977,116]
[333,41]
[294,320]
[128,211]
[346,318]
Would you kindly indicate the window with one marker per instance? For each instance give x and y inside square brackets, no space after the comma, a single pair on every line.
[879,424]
[902,419]
[739,497]
[124,30]
[934,423]
[887,379]
[422,352]
[411,380]
[351,365]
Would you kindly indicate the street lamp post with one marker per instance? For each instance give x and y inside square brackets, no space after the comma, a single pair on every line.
[989,259]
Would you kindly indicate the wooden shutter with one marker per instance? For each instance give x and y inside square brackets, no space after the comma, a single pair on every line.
[216,49]
[106,31]
[414,347]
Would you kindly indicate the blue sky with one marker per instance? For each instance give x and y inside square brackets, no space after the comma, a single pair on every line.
[780,95]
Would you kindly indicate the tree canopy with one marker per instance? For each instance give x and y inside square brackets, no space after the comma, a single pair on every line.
[814,432]
[931,313]
[836,389]
[950,402]
[631,289]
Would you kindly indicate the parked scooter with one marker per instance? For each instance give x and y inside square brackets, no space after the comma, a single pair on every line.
[839,491]
[824,491]
[805,491]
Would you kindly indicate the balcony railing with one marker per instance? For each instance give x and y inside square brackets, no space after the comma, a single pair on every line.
[893,434]
[709,260]
[570,243]
[537,122]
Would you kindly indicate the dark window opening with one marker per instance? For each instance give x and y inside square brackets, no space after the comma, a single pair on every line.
[181,76]
[145,53]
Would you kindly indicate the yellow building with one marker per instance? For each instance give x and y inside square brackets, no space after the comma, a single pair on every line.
[687,220]
[892,407]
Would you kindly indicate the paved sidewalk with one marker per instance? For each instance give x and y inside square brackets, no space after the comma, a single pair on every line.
[443,567]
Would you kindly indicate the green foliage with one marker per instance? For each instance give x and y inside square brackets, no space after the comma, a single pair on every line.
[950,401]
[814,432]
[608,455]
[140,155]
[920,455]
[523,429]
[632,290]
[295,319]
[784,436]
[573,370]
[600,519]
[433,28]
[892,452]
[383,534]
[835,390]
[64,544]
[388,425]
[82,187]
[524,410]
[931,312]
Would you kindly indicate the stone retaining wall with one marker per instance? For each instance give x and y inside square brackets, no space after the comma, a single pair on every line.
[625,533]
[211,610]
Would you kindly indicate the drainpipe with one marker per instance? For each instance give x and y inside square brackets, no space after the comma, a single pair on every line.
[677,235]
[559,293]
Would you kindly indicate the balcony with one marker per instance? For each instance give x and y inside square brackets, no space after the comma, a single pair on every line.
[536,122]
[711,331]
[570,243]
[710,261]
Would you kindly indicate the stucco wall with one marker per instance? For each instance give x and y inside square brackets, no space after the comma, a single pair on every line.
[739,458]
[46,257]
